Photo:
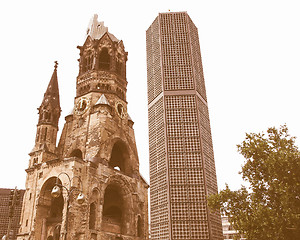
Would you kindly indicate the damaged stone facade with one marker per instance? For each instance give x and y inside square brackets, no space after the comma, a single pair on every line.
[97,150]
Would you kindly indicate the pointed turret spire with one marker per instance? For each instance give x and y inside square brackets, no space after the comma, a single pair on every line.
[49,110]
[49,113]
[52,89]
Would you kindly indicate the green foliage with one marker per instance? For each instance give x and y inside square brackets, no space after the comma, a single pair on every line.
[270,207]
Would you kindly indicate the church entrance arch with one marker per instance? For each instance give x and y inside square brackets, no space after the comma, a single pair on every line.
[49,212]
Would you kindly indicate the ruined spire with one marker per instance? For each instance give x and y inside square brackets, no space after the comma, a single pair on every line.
[97,29]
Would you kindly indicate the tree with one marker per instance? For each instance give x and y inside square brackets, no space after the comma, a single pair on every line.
[270,207]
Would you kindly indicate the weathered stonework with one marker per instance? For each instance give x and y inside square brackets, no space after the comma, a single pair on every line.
[97,146]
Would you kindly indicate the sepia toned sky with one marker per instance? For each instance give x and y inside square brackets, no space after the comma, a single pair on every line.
[251,60]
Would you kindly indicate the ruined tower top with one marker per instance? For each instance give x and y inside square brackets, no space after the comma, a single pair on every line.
[97,29]
[102,64]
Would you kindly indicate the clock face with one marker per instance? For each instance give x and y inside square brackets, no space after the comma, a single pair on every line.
[120,110]
[82,105]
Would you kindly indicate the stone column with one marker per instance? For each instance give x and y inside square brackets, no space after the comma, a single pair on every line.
[44,229]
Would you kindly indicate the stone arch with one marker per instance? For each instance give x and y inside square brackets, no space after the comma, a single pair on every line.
[117,205]
[120,157]
[95,194]
[121,181]
[77,153]
[49,211]
[93,208]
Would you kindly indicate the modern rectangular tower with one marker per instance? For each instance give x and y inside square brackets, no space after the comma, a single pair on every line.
[182,167]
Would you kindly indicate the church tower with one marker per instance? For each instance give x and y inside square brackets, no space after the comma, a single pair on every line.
[89,185]
[47,128]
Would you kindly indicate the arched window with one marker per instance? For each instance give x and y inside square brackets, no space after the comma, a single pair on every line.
[87,62]
[92,220]
[119,159]
[76,153]
[104,59]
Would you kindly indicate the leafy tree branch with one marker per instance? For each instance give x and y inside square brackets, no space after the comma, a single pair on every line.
[270,207]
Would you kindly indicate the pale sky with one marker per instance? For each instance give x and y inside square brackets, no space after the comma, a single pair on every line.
[250,52]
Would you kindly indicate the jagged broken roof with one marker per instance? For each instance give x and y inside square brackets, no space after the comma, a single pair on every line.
[97,29]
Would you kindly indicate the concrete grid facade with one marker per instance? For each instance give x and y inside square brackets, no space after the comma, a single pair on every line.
[4,212]
[182,167]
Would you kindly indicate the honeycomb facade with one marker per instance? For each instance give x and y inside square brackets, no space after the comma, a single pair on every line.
[5,198]
[182,167]
[96,155]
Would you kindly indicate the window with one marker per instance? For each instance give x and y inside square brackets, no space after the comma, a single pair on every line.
[87,63]
[76,153]
[104,59]
[92,221]
[119,159]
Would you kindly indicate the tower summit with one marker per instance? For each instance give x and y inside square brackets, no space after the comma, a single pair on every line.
[102,65]
[182,167]
[96,155]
